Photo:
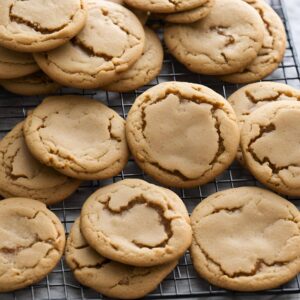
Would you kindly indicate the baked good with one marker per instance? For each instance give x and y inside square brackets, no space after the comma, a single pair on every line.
[32,241]
[136,223]
[111,42]
[15,64]
[21,175]
[144,70]
[224,42]
[31,85]
[34,25]
[79,137]
[270,145]
[246,239]
[272,51]
[182,134]
[107,277]
[252,96]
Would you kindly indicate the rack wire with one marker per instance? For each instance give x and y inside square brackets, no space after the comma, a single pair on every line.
[183,282]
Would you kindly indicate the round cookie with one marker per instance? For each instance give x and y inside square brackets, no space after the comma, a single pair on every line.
[31,85]
[224,42]
[246,239]
[79,137]
[182,134]
[144,70]
[252,96]
[270,145]
[272,51]
[111,42]
[107,277]
[32,241]
[33,26]
[136,223]
[23,176]
[15,64]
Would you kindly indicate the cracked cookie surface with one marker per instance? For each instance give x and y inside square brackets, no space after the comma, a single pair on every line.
[144,70]
[32,241]
[34,25]
[136,223]
[21,175]
[111,42]
[246,239]
[270,144]
[108,277]
[273,48]
[182,134]
[79,137]
[224,42]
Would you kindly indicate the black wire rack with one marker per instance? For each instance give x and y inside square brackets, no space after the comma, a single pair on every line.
[183,282]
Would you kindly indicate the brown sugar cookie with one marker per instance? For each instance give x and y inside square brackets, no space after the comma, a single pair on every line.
[272,51]
[246,239]
[21,175]
[79,137]
[224,42]
[270,144]
[32,241]
[182,134]
[34,25]
[108,277]
[111,42]
[136,223]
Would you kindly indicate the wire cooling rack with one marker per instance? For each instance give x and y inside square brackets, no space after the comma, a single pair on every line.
[183,282]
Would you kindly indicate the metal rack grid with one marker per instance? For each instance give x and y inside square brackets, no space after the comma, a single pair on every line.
[183,282]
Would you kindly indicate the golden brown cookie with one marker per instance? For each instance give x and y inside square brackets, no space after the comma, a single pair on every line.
[224,42]
[34,25]
[79,137]
[111,42]
[182,134]
[108,277]
[246,239]
[32,241]
[136,223]
[270,144]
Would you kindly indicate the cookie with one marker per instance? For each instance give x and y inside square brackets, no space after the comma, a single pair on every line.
[252,96]
[79,137]
[144,70]
[107,277]
[33,26]
[111,42]
[246,239]
[136,223]
[15,64]
[270,145]
[272,51]
[31,85]
[224,42]
[32,241]
[182,134]
[23,176]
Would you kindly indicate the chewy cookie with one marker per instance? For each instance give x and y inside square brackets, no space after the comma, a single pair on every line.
[107,277]
[246,239]
[224,42]
[182,134]
[136,223]
[34,25]
[21,175]
[32,241]
[79,137]
[272,51]
[111,42]
[144,70]
[270,144]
